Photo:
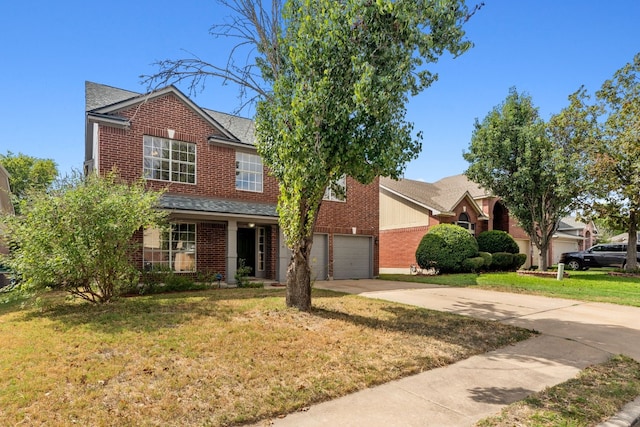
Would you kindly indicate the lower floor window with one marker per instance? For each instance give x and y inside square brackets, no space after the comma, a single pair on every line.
[173,249]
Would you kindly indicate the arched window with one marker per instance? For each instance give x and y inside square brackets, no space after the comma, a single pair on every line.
[465,222]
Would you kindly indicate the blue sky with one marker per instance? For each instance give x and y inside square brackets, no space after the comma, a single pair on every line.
[547,48]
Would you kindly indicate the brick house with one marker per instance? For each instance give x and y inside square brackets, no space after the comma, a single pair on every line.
[408,209]
[221,198]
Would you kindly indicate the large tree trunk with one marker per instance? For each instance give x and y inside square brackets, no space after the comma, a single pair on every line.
[299,276]
[632,251]
[544,258]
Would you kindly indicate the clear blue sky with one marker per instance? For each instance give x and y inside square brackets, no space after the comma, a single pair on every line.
[548,48]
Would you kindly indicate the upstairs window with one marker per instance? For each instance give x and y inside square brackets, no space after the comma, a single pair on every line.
[248,172]
[169,160]
[336,191]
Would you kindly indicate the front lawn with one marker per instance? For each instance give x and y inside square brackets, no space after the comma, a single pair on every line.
[592,285]
[593,396]
[217,357]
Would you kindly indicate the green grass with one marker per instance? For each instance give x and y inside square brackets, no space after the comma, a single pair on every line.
[592,285]
[595,395]
[216,357]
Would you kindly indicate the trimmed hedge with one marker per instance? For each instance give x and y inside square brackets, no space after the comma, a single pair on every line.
[502,261]
[445,247]
[493,241]
[519,260]
[487,258]
[474,264]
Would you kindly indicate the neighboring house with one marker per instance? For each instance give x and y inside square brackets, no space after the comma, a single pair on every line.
[408,209]
[221,198]
[6,207]
[572,236]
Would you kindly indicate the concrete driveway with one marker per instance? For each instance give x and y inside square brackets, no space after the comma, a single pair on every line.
[574,335]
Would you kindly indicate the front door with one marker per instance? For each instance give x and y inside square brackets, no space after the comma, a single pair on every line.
[247,248]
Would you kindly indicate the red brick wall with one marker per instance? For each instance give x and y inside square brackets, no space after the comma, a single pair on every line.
[211,247]
[361,210]
[398,247]
[215,178]
[215,164]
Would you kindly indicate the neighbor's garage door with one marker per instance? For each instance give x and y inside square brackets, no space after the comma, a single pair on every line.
[352,257]
[562,246]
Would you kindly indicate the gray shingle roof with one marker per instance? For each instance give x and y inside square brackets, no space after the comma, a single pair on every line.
[442,196]
[98,95]
[240,127]
[199,204]
[422,192]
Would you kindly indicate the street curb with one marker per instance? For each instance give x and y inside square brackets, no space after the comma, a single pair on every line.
[629,416]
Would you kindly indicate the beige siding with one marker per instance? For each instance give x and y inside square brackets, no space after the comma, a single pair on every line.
[525,248]
[396,212]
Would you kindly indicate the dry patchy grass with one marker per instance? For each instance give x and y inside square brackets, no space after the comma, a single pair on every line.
[596,394]
[214,358]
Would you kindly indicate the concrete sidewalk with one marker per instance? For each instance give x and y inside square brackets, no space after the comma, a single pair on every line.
[574,334]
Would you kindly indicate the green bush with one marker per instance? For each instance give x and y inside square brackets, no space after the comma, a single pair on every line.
[493,241]
[473,264]
[502,261]
[487,259]
[519,260]
[445,247]
[242,274]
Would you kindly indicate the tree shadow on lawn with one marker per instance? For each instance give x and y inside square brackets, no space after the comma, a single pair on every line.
[148,313]
[476,335]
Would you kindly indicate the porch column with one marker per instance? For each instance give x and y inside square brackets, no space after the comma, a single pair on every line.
[232,251]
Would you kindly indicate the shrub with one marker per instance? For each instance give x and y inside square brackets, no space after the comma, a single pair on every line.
[473,264]
[519,260]
[493,241]
[445,247]
[502,261]
[77,236]
[242,274]
[486,256]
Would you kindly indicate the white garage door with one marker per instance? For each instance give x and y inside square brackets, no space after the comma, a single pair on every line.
[352,257]
[319,256]
[562,246]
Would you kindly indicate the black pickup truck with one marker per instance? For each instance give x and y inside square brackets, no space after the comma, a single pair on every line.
[603,255]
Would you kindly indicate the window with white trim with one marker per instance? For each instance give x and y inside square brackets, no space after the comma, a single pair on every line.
[169,160]
[248,172]
[262,244]
[464,222]
[173,249]
[337,191]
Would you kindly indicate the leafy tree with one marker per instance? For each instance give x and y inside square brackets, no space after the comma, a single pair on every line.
[529,164]
[337,76]
[77,237]
[27,173]
[612,153]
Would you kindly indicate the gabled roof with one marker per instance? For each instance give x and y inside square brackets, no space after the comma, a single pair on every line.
[460,182]
[104,102]
[98,95]
[441,197]
[571,223]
